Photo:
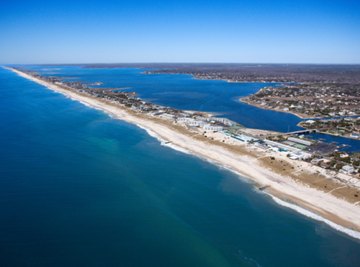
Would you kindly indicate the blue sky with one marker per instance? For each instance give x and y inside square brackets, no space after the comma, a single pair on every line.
[249,31]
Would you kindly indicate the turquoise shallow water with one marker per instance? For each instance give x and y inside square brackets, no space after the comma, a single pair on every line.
[78,188]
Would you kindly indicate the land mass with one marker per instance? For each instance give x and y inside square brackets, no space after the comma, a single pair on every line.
[310,100]
[347,74]
[332,195]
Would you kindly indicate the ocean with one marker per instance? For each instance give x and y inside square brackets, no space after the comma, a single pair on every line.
[79,188]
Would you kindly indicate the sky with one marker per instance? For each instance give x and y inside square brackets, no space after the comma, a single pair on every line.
[252,31]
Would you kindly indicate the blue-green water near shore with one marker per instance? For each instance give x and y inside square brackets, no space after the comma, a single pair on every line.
[78,188]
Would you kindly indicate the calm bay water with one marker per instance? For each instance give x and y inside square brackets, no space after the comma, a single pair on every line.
[78,188]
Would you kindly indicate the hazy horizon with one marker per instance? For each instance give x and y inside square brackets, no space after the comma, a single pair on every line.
[177,63]
[249,32]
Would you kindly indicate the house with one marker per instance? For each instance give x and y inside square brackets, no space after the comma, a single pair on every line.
[347,169]
[215,128]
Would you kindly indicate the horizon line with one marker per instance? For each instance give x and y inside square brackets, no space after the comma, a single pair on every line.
[204,63]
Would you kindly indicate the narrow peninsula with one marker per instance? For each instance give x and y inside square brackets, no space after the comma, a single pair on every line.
[279,165]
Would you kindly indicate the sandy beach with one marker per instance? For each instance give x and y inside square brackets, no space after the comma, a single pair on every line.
[297,185]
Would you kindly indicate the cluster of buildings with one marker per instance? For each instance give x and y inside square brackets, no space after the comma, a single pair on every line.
[296,148]
[339,161]
[206,122]
[310,99]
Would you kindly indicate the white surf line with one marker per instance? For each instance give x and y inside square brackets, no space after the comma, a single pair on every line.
[309,214]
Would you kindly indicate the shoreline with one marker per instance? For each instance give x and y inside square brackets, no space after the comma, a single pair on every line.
[334,210]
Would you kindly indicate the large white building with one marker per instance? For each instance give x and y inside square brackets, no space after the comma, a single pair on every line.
[191,122]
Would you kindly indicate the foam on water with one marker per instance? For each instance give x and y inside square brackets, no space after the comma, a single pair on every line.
[164,142]
[307,213]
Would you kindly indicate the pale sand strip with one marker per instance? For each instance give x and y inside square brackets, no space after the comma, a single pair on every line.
[338,213]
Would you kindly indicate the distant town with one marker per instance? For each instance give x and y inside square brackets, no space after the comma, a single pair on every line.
[310,100]
[279,73]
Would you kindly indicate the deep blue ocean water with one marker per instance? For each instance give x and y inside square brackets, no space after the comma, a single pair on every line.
[78,188]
